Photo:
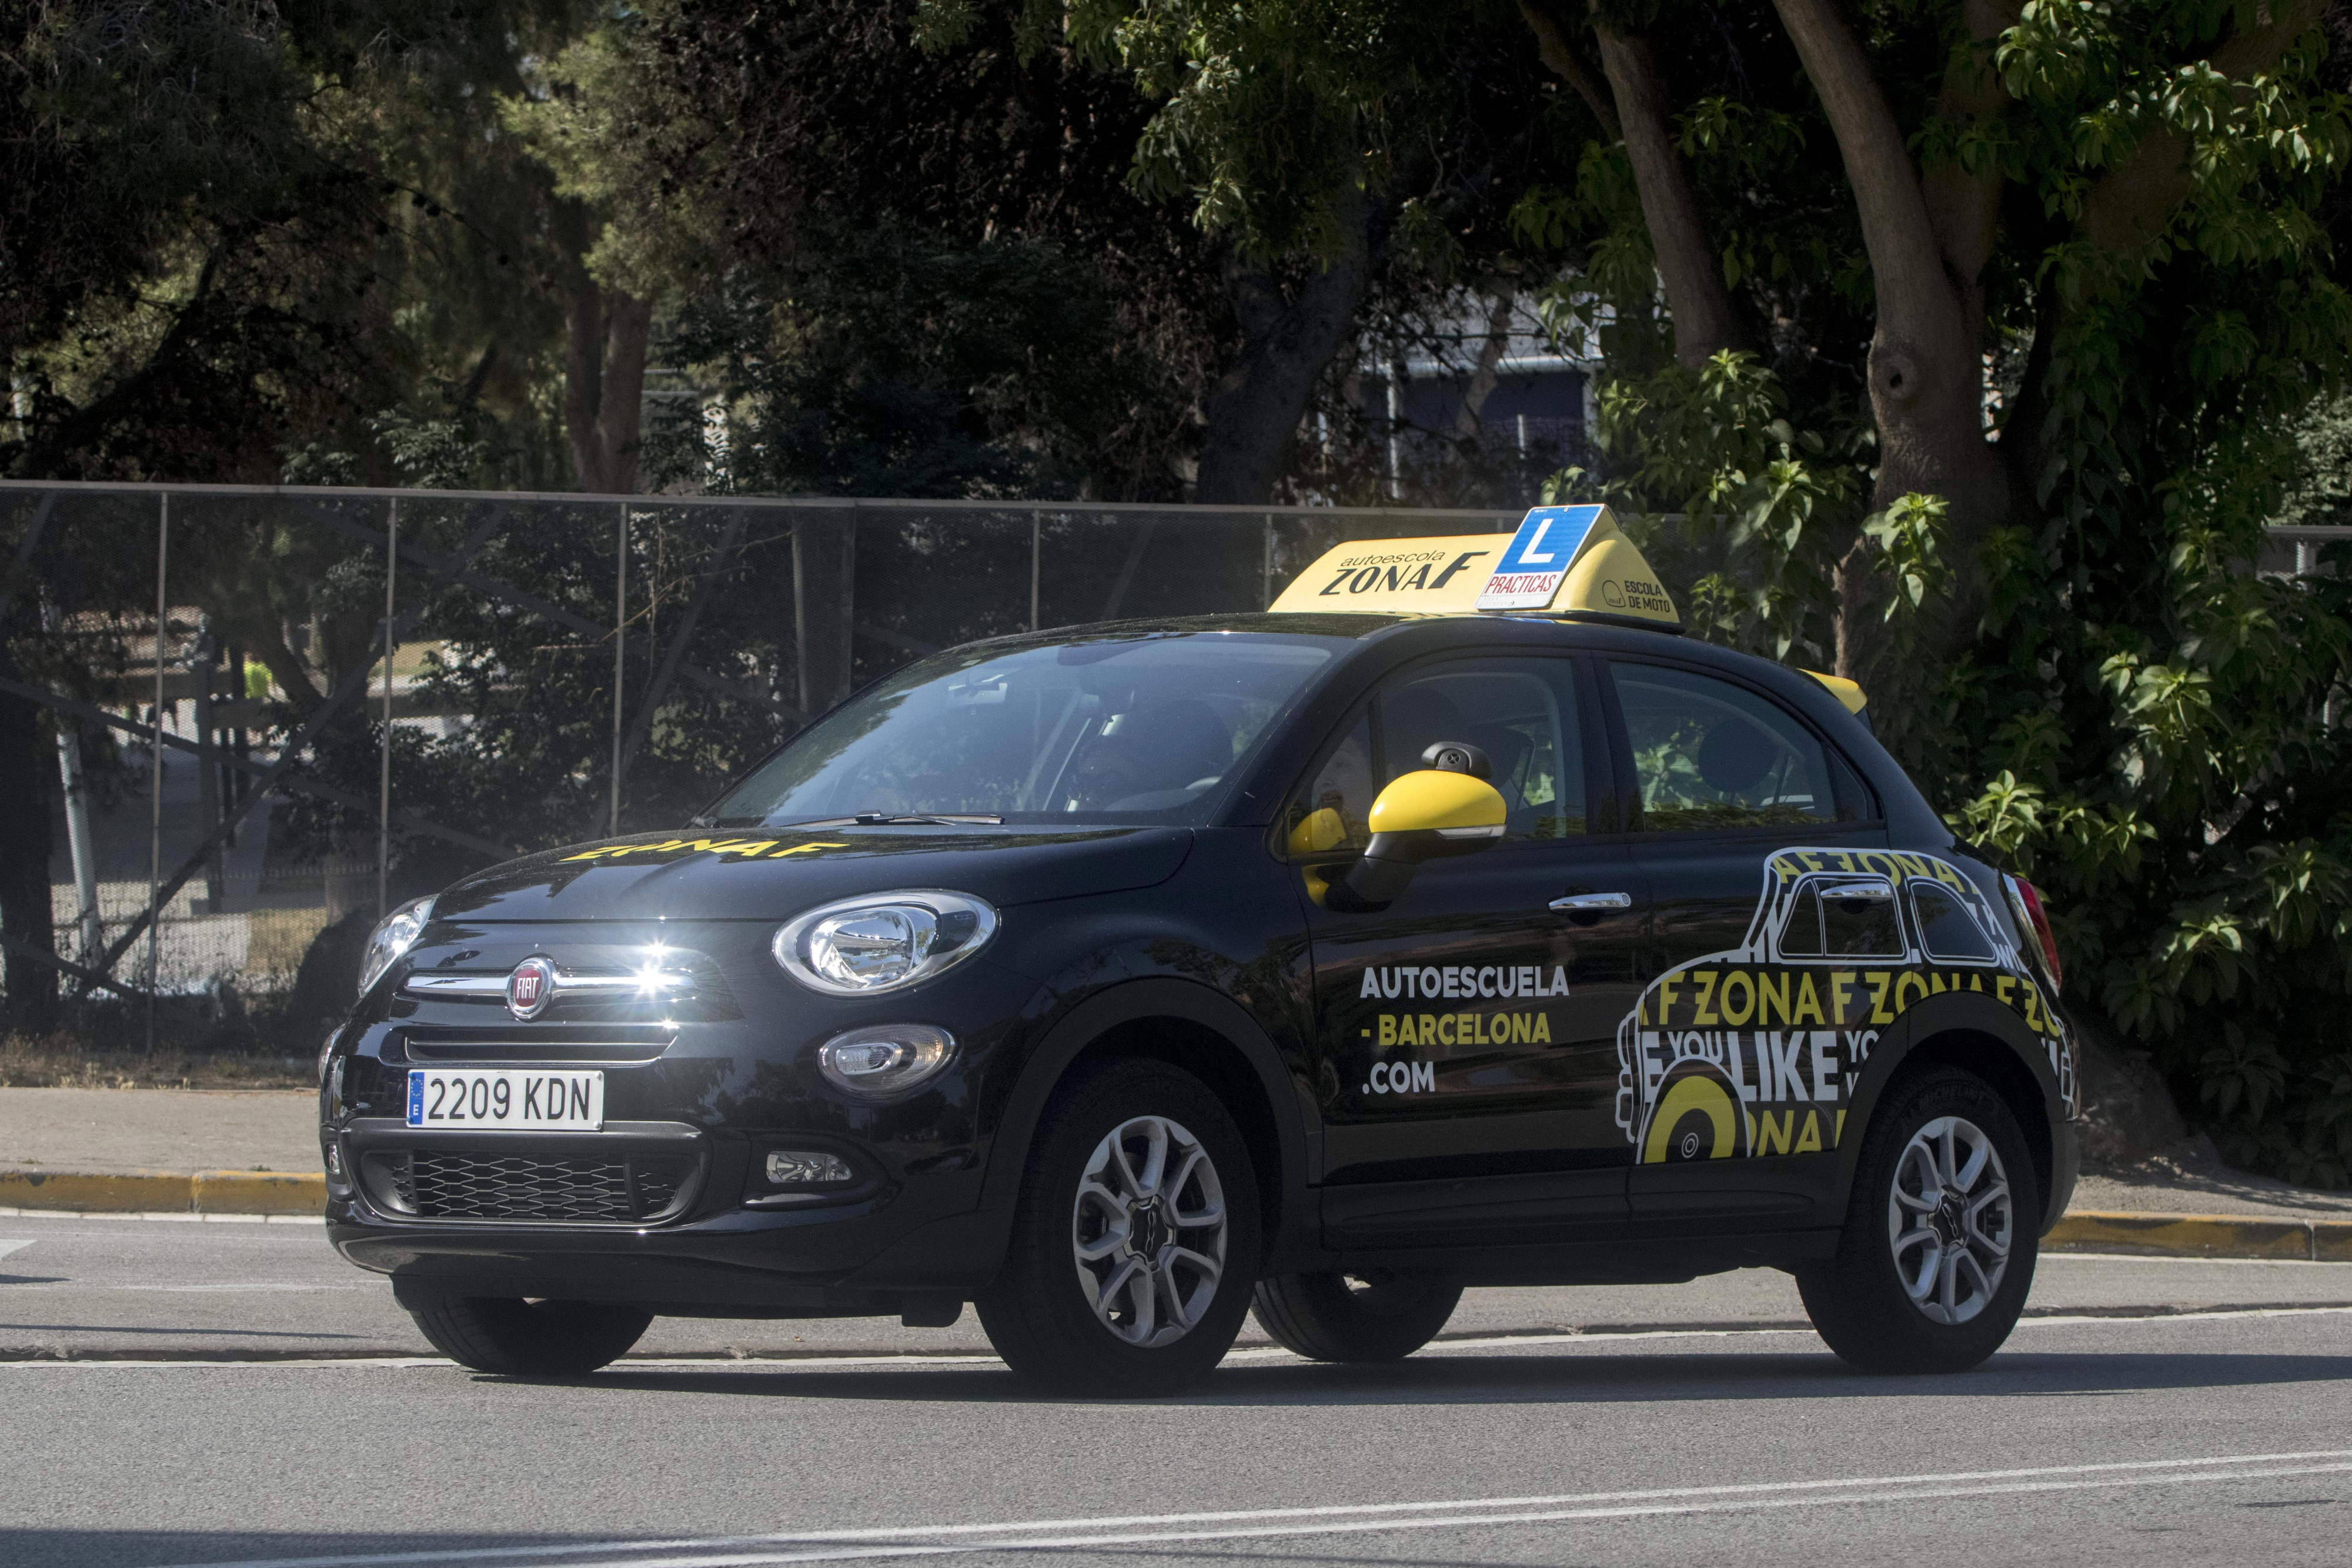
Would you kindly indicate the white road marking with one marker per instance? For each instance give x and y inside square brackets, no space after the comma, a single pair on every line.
[235,1288]
[924,1541]
[2046,1259]
[9,1247]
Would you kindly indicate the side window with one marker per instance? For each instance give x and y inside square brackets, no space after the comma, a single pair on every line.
[1519,712]
[1709,754]
[1330,809]
[1860,928]
[1801,935]
[1947,929]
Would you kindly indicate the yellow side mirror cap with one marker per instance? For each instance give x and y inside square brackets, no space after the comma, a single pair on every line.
[1455,805]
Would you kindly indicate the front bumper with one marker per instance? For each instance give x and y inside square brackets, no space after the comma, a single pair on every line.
[704,1246]
[2065,1169]
[663,1206]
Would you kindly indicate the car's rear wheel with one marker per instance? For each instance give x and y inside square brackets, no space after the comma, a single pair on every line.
[1939,1244]
[1342,1317]
[531,1339]
[1136,1243]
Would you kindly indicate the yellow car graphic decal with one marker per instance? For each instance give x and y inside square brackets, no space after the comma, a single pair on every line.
[1757,1050]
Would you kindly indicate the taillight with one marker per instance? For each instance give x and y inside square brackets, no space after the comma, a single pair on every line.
[2028,905]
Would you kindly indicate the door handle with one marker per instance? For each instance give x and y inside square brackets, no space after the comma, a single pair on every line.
[1591,902]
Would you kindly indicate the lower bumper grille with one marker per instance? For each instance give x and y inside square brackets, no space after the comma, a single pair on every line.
[615,1189]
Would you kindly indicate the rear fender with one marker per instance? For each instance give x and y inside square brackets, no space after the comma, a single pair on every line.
[1968,1029]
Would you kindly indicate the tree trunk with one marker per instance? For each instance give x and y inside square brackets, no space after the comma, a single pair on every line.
[583,381]
[1706,321]
[1927,371]
[628,328]
[1964,208]
[1255,408]
[1466,424]
[26,765]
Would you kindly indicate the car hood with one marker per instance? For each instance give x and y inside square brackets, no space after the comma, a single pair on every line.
[770,873]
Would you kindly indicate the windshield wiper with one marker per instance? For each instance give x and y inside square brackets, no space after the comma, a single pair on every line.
[889,820]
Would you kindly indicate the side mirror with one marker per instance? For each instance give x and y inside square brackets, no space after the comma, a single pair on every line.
[1422,816]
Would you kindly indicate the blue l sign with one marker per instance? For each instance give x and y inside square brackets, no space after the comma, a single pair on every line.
[1538,558]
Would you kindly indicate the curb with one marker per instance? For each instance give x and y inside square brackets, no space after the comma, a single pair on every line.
[254,1193]
[288,1194]
[2202,1236]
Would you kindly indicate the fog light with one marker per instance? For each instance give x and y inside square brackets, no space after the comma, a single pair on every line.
[886,1059]
[807,1168]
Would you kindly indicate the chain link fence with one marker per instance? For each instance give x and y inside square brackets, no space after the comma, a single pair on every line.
[235,779]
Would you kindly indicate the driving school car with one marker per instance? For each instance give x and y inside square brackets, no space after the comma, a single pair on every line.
[1455,921]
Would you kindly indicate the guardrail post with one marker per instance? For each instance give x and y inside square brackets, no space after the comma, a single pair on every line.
[383,746]
[620,652]
[825,601]
[156,772]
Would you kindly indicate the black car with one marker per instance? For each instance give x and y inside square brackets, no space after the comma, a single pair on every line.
[1327,960]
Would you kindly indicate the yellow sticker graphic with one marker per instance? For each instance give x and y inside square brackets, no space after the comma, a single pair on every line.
[1778,1028]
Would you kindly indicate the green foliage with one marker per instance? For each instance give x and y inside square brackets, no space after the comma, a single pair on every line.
[893,364]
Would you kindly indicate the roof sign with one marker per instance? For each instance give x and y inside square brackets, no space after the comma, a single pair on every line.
[1562,561]
[1536,560]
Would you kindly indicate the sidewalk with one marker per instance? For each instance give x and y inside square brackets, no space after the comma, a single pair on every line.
[246,1153]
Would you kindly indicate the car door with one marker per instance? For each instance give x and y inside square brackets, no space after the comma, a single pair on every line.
[1466,1032]
[1734,1064]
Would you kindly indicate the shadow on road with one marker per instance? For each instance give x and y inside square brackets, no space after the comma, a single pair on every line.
[1535,1380]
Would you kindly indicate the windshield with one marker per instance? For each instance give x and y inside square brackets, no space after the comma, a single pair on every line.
[1138,726]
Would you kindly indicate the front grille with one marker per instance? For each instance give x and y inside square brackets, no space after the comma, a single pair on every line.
[617,1189]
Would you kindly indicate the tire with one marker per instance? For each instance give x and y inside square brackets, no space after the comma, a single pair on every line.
[531,1339]
[1325,1317]
[1121,1279]
[1920,1289]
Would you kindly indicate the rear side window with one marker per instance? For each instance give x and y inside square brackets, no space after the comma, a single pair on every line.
[1710,755]
[1947,929]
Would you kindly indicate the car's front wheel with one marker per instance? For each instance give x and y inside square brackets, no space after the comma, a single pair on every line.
[1937,1254]
[1136,1244]
[1345,1317]
[531,1339]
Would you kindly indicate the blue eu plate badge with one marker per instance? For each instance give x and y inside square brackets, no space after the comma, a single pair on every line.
[1538,558]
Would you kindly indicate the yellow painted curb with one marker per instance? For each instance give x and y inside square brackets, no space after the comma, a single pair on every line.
[2199,1236]
[258,1192]
[164,1192]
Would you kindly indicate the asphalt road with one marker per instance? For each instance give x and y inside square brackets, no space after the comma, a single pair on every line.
[2149,1412]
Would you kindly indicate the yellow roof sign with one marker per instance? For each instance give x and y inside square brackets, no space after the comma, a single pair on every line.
[1563,561]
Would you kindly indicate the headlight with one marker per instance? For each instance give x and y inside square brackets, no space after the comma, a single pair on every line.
[394,935]
[884,942]
[883,1059]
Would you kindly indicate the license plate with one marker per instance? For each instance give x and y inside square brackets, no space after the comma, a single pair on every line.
[506,1099]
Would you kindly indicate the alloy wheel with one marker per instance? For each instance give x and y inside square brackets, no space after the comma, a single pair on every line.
[1148,1232]
[1950,1220]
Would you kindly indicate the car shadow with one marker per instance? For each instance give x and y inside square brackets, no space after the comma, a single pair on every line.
[1526,1379]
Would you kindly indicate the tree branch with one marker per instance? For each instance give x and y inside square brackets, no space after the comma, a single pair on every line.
[1964,209]
[1705,320]
[1553,46]
[2133,202]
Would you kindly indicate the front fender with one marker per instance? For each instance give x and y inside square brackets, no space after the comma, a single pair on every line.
[1136,1000]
